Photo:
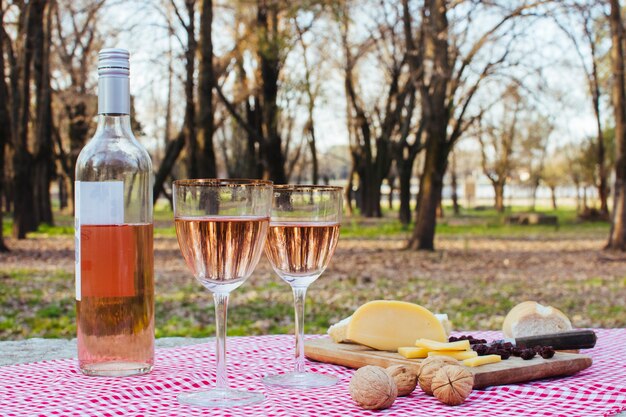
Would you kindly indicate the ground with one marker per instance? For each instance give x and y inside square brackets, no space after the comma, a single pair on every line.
[480,270]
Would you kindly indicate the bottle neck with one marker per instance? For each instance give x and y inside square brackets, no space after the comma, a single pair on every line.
[113,95]
[114,126]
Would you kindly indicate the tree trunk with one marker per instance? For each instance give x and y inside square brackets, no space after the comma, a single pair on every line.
[24,217]
[62,192]
[455,197]
[405,192]
[313,149]
[206,83]
[348,191]
[272,152]
[5,124]
[44,167]
[189,122]
[553,195]
[391,181]
[431,186]
[585,206]
[498,189]
[617,236]
[172,152]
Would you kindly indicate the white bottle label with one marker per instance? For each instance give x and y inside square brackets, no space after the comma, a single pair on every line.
[96,203]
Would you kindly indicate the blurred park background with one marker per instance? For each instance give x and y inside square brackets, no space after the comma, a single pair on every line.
[481,146]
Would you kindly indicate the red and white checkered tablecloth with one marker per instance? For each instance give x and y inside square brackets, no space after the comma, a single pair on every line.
[56,388]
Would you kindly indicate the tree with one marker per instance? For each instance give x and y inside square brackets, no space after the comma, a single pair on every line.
[5,120]
[75,42]
[617,235]
[206,85]
[44,169]
[554,173]
[269,39]
[592,41]
[374,129]
[499,142]
[447,86]
[30,19]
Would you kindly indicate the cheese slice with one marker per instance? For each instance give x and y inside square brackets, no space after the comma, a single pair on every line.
[411,352]
[482,360]
[458,355]
[434,345]
[388,325]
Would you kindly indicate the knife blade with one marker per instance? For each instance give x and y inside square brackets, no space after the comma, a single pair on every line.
[574,339]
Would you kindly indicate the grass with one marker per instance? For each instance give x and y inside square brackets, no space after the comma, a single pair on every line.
[39,302]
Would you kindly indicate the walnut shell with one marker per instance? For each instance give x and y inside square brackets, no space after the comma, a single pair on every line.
[428,369]
[452,384]
[372,388]
[405,378]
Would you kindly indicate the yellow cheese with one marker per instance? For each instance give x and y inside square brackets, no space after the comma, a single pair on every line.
[482,360]
[435,345]
[388,325]
[411,352]
[458,354]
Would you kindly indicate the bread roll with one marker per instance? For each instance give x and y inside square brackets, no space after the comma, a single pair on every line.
[531,318]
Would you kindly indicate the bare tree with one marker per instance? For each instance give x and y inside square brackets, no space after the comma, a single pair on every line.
[498,143]
[446,91]
[43,150]
[617,235]
[5,120]
[206,85]
[20,56]
[270,39]
[75,42]
[590,62]
[374,129]
[187,134]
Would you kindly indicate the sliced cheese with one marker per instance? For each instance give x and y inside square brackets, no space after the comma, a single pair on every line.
[435,345]
[411,352]
[458,354]
[482,360]
[388,325]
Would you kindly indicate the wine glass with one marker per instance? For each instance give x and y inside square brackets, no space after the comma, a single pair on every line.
[303,234]
[221,227]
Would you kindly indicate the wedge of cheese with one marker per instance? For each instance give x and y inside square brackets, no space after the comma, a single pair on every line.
[389,325]
[482,360]
[458,355]
[434,345]
[411,352]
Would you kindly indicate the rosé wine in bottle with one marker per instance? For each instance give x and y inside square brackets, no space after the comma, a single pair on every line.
[114,242]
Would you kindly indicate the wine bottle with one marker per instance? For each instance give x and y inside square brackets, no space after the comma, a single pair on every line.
[113,233]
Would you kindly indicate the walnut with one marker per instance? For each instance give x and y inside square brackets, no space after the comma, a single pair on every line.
[428,369]
[452,384]
[372,388]
[405,377]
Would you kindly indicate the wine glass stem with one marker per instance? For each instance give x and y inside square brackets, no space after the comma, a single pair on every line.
[221,313]
[299,295]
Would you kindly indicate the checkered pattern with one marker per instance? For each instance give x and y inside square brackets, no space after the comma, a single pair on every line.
[56,388]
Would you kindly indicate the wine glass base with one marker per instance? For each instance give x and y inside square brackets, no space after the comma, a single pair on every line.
[302,380]
[222,398]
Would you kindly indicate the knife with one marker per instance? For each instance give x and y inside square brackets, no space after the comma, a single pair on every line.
[574,339]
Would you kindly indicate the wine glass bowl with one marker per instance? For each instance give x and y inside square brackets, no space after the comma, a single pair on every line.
[303,235]
[221,227]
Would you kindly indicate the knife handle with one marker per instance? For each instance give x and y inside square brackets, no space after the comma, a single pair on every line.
[574,339]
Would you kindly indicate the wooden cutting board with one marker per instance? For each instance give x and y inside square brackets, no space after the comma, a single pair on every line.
[510,371]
